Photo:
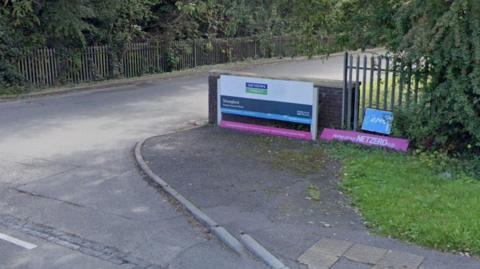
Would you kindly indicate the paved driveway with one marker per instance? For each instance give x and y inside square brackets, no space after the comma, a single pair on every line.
[68,184]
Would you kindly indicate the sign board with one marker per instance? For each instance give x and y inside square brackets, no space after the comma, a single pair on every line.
[377,121]
[282,100]
[365,139]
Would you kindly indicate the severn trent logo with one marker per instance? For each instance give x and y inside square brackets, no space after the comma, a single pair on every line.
[257,88]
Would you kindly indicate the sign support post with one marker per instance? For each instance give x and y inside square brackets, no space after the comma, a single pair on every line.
[314,124]
[219,102]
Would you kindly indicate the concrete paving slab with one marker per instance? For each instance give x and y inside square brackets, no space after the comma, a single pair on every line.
[324,254]
[399,260]
[365,254]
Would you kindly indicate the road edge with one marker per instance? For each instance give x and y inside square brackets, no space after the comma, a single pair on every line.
[238,246]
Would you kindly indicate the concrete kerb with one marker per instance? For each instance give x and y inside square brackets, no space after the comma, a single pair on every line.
[247,243]
[192,209]
[256,248]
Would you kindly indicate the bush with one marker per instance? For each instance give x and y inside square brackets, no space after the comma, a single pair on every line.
[446,129]
[10,79]
[447,35]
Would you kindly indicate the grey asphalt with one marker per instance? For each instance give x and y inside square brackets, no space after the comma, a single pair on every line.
[258,184]
[68,182]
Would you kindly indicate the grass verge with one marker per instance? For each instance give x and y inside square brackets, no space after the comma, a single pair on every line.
[424,198]
[410,198]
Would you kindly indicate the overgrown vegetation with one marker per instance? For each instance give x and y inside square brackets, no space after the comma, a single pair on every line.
[444,34]
[68,25]
[447,35]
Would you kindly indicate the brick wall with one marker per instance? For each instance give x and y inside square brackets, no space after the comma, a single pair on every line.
[330,98]
[330,106]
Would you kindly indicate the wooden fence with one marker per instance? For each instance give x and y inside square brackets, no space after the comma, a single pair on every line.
[49,67]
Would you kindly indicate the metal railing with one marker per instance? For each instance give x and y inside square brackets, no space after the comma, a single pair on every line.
[382,82]
[49,67]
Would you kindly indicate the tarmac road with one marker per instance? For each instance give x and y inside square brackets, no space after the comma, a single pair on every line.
[69,186]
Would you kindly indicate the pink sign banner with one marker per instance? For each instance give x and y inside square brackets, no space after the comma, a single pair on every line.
[365,139]
[252,128]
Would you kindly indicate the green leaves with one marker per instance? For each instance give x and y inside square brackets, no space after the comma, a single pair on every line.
[360,24]
[65,22]
[446,33]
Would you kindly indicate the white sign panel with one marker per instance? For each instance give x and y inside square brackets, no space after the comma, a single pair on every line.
[288,91]
[282,100]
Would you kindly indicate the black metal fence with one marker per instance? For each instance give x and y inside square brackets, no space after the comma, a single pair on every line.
[385,82]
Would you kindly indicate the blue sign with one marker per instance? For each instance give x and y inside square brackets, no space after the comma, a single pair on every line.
[377,121]
[257,88]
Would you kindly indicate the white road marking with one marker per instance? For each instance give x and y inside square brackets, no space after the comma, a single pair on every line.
[17,242]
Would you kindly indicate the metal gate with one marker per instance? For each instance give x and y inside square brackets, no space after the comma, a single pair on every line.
[384,82]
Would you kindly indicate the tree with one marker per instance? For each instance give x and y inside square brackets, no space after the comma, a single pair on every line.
[360,24]
[312,20]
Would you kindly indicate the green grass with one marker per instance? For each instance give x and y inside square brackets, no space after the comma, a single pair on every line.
[373,91]
[409,198]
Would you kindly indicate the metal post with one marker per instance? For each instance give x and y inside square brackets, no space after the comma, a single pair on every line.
[194,53]
[364,81]
[385,94]
[372,74]
[355,96]
[219,101]
[345,72]
[349,93]
[379,80]
[394,82]
[314,124]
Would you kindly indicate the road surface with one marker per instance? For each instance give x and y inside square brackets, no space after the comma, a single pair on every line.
[69,187]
